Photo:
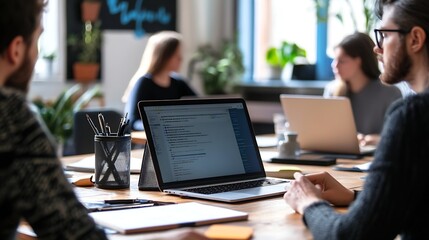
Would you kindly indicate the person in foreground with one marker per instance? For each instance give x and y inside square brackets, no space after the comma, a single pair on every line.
[357,78]
[156,78]
[33,185]
[394,199]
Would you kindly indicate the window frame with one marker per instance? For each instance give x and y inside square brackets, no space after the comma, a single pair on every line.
[52,16]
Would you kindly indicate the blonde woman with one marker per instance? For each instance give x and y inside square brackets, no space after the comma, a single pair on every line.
[357,77]
[156,78]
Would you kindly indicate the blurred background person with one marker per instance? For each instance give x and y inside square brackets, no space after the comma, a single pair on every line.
[156,78]
[356,71]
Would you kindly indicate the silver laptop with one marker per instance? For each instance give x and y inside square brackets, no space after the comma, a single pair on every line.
[324,125]
[206,148]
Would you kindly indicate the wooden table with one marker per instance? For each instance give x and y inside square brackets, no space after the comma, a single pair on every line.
[138,137]
[270,218]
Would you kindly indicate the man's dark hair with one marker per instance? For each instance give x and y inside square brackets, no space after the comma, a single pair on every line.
[407,13]
[18,18]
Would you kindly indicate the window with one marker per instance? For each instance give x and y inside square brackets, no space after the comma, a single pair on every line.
[346,17]
[280,20]
[275,21]
[48,66]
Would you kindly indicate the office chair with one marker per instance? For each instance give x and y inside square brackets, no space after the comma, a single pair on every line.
[83,135]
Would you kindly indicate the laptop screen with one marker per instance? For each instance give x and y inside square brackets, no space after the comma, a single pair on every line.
[323,124]
[200,140]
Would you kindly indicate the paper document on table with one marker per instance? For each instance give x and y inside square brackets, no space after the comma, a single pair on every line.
[353,168]
[266,141]
[165,217]
[88,165]
[266,155]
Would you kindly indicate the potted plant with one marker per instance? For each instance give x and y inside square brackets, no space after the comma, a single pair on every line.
[90,9]
[88,47]
[219,70]
[49,59]
[280,57]
[368,11]
[58,115]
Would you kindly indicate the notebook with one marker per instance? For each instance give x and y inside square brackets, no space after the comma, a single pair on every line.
[324,125]
[87,164]
[158,218]
[206,148]
[364,167]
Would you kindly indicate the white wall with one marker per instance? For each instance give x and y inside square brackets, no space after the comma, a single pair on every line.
[121,57]
[200,22]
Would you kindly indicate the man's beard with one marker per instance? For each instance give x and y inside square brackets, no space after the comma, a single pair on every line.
[21,77]
[398,67]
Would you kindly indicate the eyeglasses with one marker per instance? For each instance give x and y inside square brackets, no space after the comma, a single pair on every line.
[379,35]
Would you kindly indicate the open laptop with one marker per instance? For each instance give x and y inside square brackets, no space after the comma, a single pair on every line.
[206,148]
[324,125]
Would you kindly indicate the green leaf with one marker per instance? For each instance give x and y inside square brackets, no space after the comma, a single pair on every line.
[284,54]
[219,68]
[58,116]
[85,98]
[273,57]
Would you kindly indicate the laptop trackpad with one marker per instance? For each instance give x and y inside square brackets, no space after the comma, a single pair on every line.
[233,195]
[255,191]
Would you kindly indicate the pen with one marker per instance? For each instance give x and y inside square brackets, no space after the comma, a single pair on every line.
[91,123]
[123,128]
[127,201]
[140,201]
[102,123]
[126,116]
[120,125]
[120,207]
[108,130]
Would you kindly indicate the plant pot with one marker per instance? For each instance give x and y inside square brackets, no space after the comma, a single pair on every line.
[275,73]
[90,11]
[85,72]
[287,72]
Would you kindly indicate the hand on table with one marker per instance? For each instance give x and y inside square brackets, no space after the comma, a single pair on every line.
[370,139]
[311,188]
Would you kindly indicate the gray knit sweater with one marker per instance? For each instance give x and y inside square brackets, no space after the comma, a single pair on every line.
[33,185]
[395,199]
[369,106]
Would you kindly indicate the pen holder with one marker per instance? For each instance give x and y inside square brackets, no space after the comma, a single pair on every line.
[112,161]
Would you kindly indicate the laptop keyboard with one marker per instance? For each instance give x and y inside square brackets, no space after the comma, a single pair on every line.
[235,186]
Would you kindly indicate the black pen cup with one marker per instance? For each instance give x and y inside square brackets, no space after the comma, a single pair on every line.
[112,161]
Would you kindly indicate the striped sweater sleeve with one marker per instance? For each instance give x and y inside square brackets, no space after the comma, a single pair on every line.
[34,187]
